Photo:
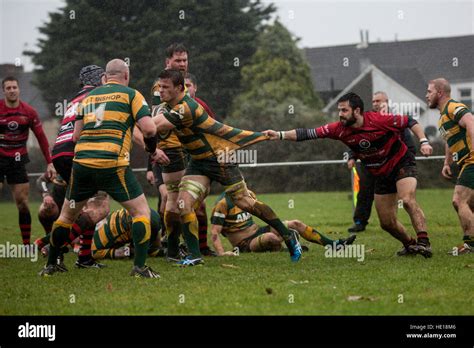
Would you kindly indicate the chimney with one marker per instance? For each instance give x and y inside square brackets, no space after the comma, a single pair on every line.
[364,60]
[364,41]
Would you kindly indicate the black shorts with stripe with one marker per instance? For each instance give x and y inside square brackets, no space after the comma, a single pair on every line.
[178,160]
[224,173]
[406,168]
[466,176]
[244,244]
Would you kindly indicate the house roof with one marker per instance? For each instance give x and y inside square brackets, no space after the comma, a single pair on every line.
[411,63]
[363,84]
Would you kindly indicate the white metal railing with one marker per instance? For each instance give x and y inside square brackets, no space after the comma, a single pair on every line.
[282,164]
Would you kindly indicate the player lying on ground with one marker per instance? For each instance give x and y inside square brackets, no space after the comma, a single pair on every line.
[97,208]
[375,140]
[115,231]
[456,125]
[243,233]
[205,139]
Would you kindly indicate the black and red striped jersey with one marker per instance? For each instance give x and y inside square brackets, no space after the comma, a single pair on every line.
[64,146]
[377,143]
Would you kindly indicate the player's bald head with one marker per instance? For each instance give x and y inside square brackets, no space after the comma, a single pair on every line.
[117,69]
[116,66]
[441,85]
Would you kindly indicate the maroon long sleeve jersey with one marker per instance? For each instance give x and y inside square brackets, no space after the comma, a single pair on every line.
[15,124]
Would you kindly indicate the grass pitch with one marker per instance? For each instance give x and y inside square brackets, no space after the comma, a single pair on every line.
[261,284]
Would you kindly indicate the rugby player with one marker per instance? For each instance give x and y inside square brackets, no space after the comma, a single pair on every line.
[173,170]
[243,233]
[205,139]
[113,233]
[91,76]
[54,191]
[456,125]
[365,197]
[103,130]
[16,120]
[375,139]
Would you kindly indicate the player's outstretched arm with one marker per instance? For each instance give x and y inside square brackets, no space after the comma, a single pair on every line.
[162,124]
[425,149]
[281,135]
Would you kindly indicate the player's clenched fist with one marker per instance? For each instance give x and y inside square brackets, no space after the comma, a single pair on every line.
[273,135]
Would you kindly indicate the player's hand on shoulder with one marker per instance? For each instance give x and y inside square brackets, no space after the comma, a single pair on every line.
[446,172]
[273,135]
[426,150]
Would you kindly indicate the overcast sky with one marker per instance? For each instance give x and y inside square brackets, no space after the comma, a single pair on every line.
[315,22]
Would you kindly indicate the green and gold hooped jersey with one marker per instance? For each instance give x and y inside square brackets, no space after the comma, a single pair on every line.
[116,229]
[109,113]
[229,216]
[167,139]
[459,141]
[202,136]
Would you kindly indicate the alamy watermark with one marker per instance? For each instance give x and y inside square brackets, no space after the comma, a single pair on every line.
[412,109]
[355,251]
[20,251]
[240,156]
[37,331]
